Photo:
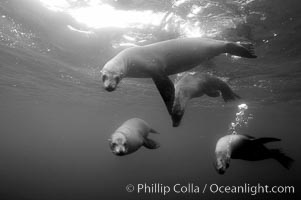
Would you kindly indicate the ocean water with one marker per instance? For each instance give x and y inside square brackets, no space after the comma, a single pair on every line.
[56,117]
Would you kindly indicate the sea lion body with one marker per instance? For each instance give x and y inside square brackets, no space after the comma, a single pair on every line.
[248,148]
[192,85]
[170,57]
[130,136]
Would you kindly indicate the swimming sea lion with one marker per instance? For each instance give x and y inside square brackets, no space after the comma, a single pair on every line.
[130,136]
[246,148]
[159,60]
[193,85]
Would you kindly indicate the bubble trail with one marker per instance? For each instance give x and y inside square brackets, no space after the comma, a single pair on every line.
[241,119]
[240,122]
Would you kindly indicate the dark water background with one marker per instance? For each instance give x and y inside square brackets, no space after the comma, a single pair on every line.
[56,117]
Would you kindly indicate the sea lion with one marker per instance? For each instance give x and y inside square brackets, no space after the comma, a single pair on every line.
[193,85]
[246,148]
[159,60]
[130,136]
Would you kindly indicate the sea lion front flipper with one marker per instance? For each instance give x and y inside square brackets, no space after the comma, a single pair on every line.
[266,140]
[153,131]
[227,92]
[151,144]
[166,89]
[249,136]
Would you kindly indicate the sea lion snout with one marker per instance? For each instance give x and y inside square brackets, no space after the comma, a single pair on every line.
[176,118]
[222,164]
[220,170]
[109,88]
[118,149]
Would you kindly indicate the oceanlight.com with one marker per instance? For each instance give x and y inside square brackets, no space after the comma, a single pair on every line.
[191,188]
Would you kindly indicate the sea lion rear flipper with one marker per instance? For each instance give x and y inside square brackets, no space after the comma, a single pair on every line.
[266,140]
[166,89]
[243,49]
[282,158]
[151,144]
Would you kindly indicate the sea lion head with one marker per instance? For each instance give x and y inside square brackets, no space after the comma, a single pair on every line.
[118,144]
[110,80]
[112,73]
[222,163]
[177,114]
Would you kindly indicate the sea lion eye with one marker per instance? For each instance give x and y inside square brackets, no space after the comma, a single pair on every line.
[104,78]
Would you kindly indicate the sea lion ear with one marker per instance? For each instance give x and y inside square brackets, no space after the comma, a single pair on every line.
[110,140]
